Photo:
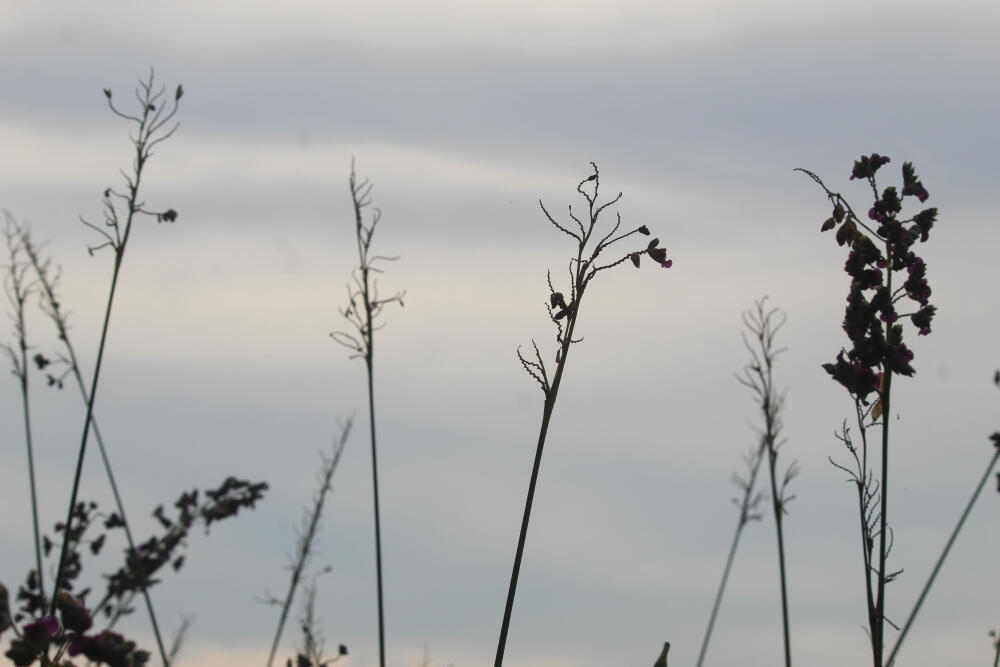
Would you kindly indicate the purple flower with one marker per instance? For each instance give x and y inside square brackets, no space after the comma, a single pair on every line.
[47,626]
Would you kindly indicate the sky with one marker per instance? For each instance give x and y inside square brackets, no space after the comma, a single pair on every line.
[464,116]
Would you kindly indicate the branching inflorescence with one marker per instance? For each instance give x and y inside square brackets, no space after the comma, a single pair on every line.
[364,305]
[564,310]
[763,325]
[153,125]
[880,247]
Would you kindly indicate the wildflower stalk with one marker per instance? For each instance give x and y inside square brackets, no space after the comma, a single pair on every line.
[582,269]
[759,377]
[878,352]
[51,307]
[304,548]
[363,308]
[151,122]
[18,289]
[944,553]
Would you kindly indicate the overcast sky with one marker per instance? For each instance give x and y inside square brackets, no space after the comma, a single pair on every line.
[464,115]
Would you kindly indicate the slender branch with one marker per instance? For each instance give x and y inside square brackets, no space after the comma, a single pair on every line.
[305,544]
[747,503]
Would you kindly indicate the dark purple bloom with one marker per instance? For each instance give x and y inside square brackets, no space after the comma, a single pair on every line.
[922,319]
[46,626]
[867,166]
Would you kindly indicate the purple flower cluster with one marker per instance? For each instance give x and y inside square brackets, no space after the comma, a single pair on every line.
[34,640]
[871,317]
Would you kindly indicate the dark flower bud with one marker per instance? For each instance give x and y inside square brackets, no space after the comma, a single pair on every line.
[924,221]
[75,616]
[557,299]
[911,184]
[867,166]
[39,633]
[828,224]
[838,213]
[659,255]
[846,232]
[635,259]
[21,653]
[41,361]
[107,192]
[342,649]
[180,91]
[592,177]
[922,319]
[644,230]
[107,93]
[169,215]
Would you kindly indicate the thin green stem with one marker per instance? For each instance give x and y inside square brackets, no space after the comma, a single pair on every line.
[778,510]
[722,588]
[378,524]
[941,558]
[550,401]
[86,431]
[878,632]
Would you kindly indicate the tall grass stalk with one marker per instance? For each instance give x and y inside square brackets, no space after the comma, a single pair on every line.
[944,553]
[758,375]
[363,308]
[151,128]
[747,504]
[19,287]
[304,547]
[583,267]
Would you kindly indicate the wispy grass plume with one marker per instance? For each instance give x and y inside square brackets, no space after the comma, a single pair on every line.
[364,305]
[304,547]
[19,287]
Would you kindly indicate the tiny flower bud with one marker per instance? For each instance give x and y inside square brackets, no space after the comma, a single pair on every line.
[107,93]
[180,91]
